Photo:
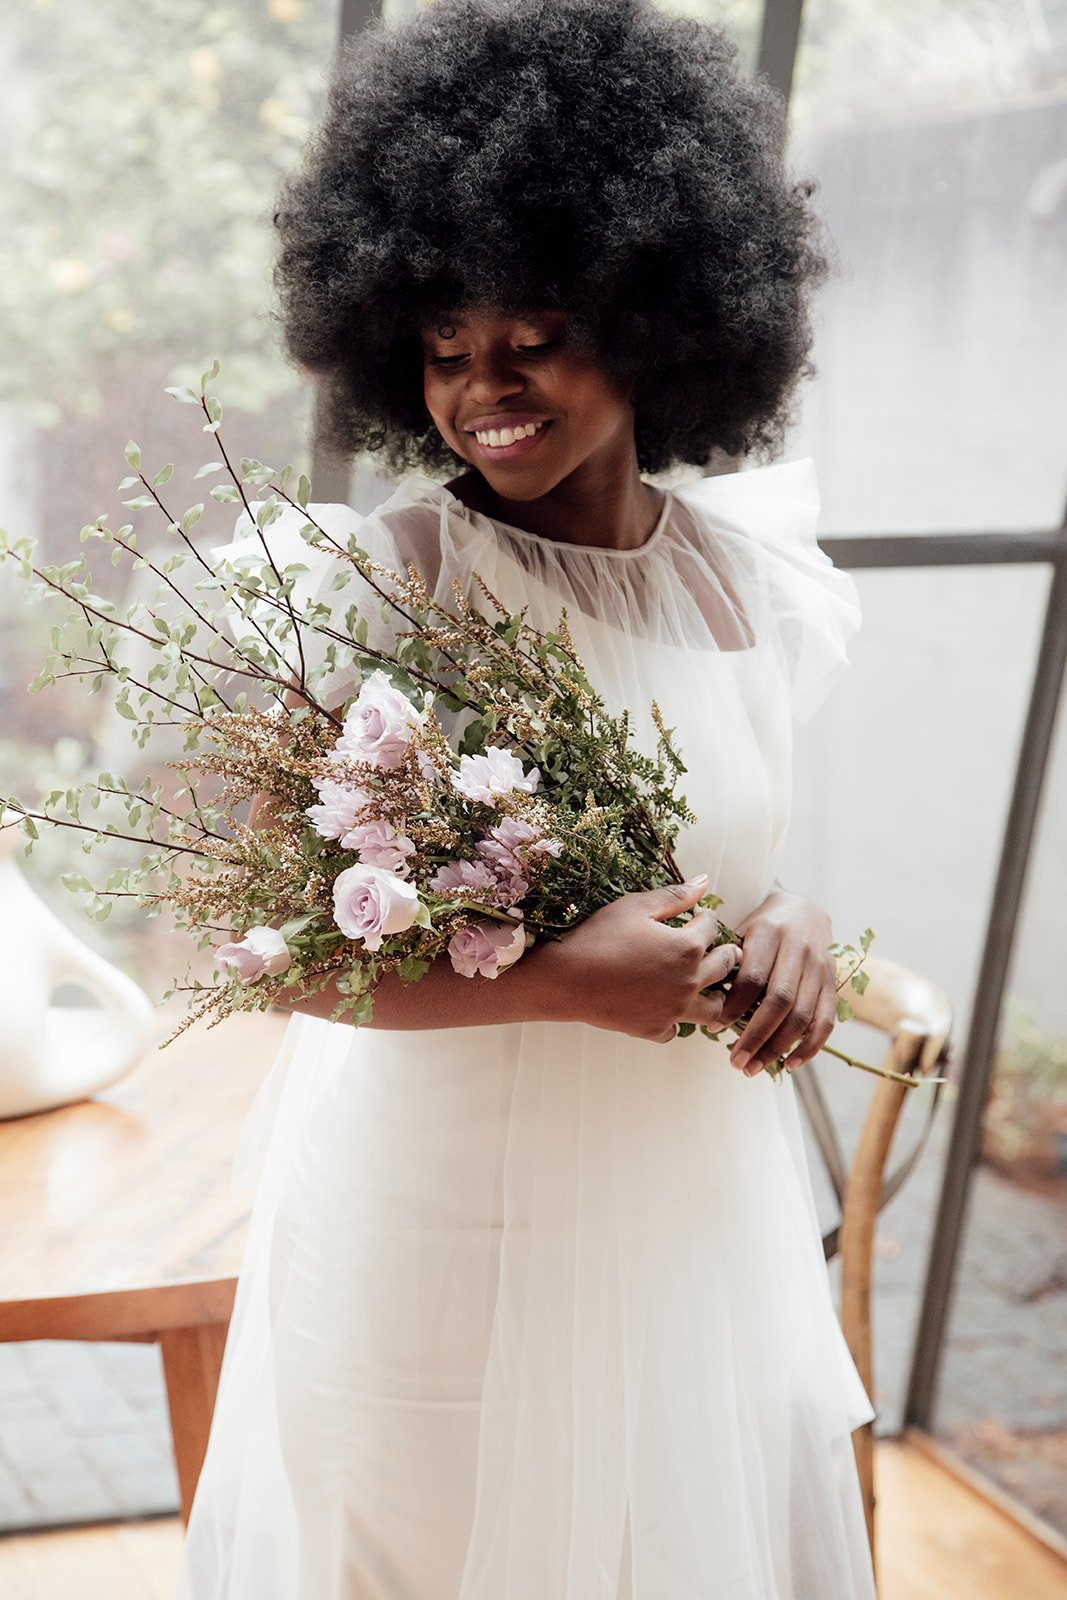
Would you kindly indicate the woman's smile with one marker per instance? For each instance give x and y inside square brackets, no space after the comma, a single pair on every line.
[505,444]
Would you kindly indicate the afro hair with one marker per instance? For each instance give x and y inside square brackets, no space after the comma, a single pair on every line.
[596,155]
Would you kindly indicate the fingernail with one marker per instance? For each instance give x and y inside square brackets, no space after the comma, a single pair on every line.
[699,879]
[740,1058]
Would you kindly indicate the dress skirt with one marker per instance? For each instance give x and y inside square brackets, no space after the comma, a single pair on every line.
[526,1311]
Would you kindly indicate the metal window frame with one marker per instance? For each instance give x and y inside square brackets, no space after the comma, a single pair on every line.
[776,60]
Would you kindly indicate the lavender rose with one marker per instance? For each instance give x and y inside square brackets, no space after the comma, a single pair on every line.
[378,844]
[379,724]
[502,848]
[487,948]
[338,807]
[261,951]
[369,904]
[464,876]
[488,777]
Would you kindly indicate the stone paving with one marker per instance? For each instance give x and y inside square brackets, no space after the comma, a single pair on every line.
[85,1437]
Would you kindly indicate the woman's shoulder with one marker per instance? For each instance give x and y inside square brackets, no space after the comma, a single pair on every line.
[775,506]
[760,526]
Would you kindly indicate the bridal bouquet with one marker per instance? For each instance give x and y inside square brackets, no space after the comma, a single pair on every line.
[474,795]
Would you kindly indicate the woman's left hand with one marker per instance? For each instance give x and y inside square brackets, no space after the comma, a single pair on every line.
[787,967]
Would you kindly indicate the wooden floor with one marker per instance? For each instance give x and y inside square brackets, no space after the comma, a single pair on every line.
[938,1538]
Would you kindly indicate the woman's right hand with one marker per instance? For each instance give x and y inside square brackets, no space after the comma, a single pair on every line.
[625,969]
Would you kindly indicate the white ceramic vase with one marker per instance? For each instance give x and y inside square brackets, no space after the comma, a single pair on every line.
[52,1055]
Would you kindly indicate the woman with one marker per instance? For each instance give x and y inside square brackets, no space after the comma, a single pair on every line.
[531,1308]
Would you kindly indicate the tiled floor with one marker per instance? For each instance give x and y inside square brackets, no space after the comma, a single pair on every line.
[84,1432]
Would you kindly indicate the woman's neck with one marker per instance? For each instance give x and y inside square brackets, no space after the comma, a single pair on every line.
[619,516]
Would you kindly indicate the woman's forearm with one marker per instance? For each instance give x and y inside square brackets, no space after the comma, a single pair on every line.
[536,989]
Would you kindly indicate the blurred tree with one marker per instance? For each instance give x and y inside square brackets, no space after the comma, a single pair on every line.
[143,147]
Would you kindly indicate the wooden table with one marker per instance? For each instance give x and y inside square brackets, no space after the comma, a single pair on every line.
[116,1220]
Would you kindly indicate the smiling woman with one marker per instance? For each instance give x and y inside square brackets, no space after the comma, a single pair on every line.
[548,430]
[661,220]
[533,1308]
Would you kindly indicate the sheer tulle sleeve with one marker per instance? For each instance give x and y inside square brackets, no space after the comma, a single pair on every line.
[790,586]
[324,593]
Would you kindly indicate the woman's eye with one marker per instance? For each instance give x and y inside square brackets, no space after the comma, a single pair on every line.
[526,349]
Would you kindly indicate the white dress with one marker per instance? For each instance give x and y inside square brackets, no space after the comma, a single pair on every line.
[540,1311]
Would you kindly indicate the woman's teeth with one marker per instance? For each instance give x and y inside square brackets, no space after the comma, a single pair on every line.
[506,436]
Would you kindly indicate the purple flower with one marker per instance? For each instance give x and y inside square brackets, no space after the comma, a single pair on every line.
[369,904]
[262,950]
[339,805]
[461,876]
[379,724]
[486,778]
[502,848]
[486,948]
[379,845]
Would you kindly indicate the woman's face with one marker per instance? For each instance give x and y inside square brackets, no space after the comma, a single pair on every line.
[489,371]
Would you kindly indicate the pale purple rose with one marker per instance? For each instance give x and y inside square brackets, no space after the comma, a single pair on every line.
[338,807]
[261,952]
[486,948]
[369,904]
[490,776]
[378,844]
[502,848]
[511,881]
[464,876]
[379,724]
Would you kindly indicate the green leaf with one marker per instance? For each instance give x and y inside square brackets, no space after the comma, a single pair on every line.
[186,396]
[845,1013]
[211,374]
[192,517]
[209,467]
[303,490]
[163,474]
[132,453]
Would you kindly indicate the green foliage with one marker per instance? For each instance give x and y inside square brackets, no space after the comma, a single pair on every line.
[139,184]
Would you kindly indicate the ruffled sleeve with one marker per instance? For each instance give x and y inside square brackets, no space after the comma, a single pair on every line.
[765,520]
[325,580]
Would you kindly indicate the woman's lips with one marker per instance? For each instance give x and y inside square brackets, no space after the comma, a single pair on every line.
[519,447]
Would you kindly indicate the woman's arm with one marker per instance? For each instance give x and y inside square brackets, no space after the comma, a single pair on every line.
[624,969]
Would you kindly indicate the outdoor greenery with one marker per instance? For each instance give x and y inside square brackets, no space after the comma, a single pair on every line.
[143,146]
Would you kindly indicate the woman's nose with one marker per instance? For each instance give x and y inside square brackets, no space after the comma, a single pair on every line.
[493,373]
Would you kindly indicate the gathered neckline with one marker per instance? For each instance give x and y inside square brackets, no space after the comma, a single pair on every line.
[565,544]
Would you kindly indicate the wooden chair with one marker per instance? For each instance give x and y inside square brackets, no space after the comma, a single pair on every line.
[916,1017]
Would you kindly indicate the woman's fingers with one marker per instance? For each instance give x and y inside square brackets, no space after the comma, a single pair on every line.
[717,965]
[758,957]
[777,1005]
[795,1030]
[819,1033]
[703,926]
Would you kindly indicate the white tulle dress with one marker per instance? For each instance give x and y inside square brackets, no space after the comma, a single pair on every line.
[540,1311]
